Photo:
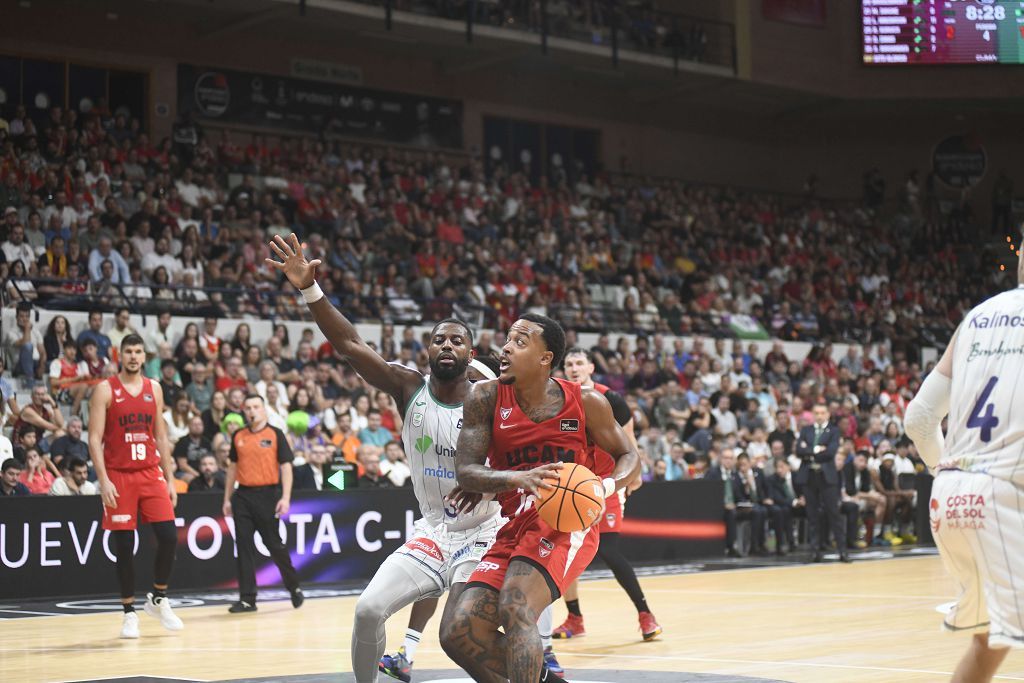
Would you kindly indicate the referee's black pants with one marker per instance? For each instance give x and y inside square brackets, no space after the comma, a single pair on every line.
[819,494]
[253,510]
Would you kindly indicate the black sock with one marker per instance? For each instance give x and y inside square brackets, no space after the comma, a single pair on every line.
[128,607]
[641,605]
[159,593]
[623,571]
[549,676]
[574,607]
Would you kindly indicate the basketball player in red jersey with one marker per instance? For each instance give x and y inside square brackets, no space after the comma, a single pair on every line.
[129,448]
[579,368]
[517,432]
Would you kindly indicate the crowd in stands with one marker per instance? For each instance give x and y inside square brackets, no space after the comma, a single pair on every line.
[95,215]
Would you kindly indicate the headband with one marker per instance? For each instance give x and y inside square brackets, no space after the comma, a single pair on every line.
[482,369]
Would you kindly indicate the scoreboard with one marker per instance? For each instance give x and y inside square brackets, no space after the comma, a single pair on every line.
[943,31]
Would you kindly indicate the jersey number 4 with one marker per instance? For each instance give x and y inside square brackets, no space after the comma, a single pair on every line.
[138,451]
[983,414]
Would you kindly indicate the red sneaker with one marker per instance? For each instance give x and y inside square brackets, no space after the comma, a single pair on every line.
[648,626]
[571,628]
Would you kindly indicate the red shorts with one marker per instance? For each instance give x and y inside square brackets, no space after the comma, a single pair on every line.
[560,556]
[611,522]
[142,497]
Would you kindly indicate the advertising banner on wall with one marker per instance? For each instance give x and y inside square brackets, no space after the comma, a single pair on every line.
[316,106]
[54,546]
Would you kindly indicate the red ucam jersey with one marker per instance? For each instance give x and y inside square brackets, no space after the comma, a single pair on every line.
[129,441]
[519,443]
[604,463]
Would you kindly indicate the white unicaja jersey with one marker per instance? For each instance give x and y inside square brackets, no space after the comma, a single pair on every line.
[430,435]
[986,407]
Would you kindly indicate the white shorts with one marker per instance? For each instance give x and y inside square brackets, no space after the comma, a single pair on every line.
[449,557]
[977,523]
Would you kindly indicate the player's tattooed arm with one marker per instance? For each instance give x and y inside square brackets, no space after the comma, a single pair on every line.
[606,432]
[475,440]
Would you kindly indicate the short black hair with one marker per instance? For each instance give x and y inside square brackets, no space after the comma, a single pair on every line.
[454,321]
[132,340]
[492,363]
[75,463]
[122,309]
[249,396]
[743,456]
[11,464]
[579,351]
[554,335]
[371,411]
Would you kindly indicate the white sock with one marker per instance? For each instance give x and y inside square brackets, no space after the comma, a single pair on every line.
[412,641]
[544,623]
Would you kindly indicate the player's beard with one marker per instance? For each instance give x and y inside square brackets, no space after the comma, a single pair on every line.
[448,373]
[132,373]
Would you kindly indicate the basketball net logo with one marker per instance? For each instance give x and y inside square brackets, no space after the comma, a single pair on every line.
[505,412]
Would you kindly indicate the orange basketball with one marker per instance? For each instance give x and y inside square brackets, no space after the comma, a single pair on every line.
[576,501]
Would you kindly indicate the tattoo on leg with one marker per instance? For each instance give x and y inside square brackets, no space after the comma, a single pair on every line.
[472,640]
[524,654]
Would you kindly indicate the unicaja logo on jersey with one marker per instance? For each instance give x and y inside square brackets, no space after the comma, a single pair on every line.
[438,472]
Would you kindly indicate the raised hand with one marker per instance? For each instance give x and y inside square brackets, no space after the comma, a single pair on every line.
[300,272]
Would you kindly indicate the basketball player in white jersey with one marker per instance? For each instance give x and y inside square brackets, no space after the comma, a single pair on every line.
[456,529]
[975,507]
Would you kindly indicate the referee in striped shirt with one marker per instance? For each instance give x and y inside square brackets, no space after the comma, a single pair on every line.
[261,462]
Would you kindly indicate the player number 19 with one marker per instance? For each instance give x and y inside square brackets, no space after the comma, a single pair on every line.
[138,451]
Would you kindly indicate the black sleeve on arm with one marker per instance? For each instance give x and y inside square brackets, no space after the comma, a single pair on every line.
[284,451]
[233,454]
[620,410]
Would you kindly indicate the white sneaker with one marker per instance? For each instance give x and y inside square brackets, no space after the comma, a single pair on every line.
[160,608]
[130,625]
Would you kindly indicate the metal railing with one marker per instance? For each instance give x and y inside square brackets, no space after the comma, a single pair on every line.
[276,304]
[615,24]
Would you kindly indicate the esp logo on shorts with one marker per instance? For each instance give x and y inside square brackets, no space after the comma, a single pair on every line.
[569,426]
[487,566]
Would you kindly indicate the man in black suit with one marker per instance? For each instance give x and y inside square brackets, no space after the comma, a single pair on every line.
[725,471]
[787,500]
[816,447]
[750,488]
[310,477]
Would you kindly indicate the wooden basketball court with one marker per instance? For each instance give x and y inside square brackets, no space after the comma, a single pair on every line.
[870,621]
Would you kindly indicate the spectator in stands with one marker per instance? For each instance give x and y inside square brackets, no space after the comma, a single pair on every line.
[122,327]
[178,418]
[898,502]
[395,466]
[58,332]
[170,381]
[10,475]
[24,346]
[374,434]
[312,475]
[70,445]
[242,339]
[15,248]
[234,376]
[73,480]
[190,448]
[68,376]
[105,251]
[211,476]
[36,476]
[42,416]
[200,390]
[344,438]
[160,335]
[369,460]
[94,332]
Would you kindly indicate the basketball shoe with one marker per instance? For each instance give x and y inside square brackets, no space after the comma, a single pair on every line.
[396,666]
[160,608]
[648,626]
[551,662]
[130,626]
[572,627]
